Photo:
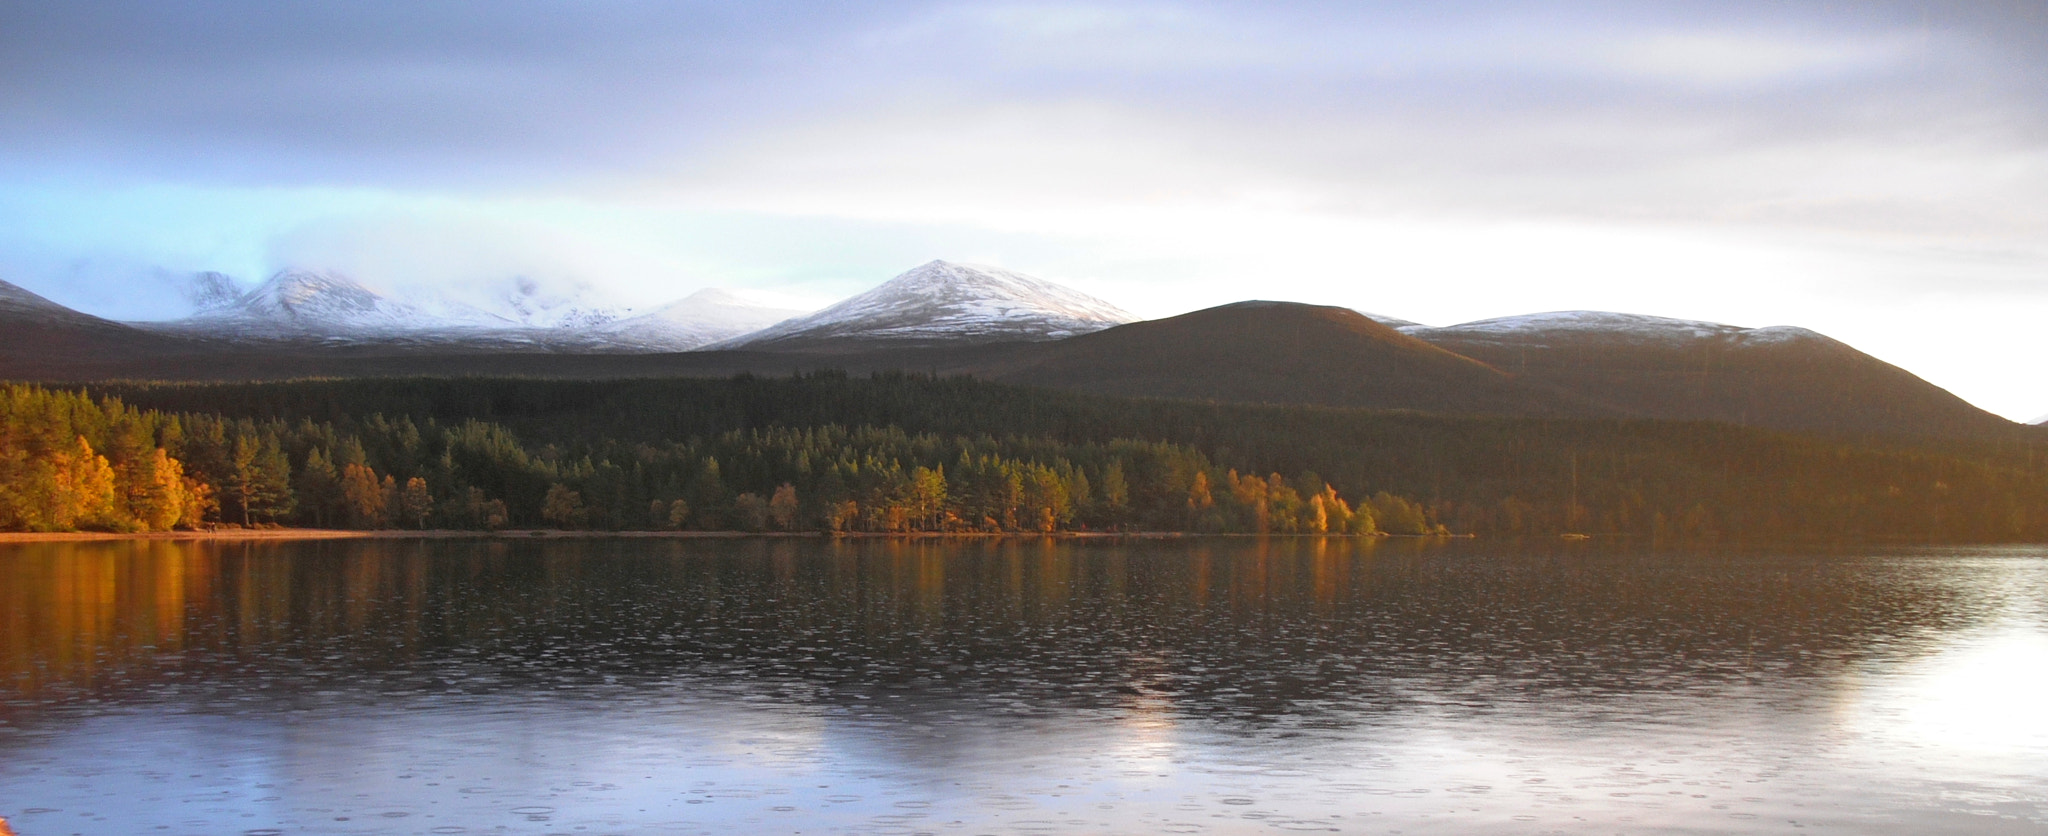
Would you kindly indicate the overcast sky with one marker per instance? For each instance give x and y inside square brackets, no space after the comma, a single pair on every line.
[1874,170]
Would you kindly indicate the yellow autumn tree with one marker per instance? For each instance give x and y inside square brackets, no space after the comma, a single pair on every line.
[363,496]
[70,489]
[160,496]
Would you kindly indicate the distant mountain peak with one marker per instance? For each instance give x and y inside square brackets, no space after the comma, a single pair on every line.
[944,301]
[313,302]
[211,291]
[296,293]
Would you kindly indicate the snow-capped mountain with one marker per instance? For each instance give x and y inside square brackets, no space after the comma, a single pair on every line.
[329,304]
[696,320]
[211,291]
[518,314]
[1581,326]
[943,302]
[308,302]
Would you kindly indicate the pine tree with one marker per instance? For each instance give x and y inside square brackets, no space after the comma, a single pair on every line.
[270,492]
[319,489]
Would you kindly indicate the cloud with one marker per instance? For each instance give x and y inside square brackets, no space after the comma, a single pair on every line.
[1746,59]
[1883,119]
[515,94]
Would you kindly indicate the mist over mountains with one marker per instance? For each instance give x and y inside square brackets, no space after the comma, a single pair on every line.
[328,307]
[949,318]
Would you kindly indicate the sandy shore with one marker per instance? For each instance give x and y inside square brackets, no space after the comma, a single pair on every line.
[245,534]
[249,534]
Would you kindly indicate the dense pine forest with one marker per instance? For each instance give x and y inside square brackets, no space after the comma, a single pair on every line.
[902,452]
[75,461]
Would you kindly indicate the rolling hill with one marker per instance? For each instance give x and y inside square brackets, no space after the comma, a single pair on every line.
[1782,377]
[1280,352]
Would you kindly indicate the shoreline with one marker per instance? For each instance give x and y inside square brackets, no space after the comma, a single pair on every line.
[283,534]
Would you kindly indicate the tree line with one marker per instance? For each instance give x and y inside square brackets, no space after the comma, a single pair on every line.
[1487,475]
[73,461]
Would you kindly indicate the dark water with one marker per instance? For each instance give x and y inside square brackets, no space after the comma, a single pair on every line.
[1208,686]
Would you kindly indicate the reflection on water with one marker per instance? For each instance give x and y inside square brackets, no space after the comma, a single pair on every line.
[1197,686]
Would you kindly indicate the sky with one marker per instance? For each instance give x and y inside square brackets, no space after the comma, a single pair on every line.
[1874,170]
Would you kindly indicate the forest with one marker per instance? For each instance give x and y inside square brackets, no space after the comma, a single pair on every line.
[908,452]
[72,461]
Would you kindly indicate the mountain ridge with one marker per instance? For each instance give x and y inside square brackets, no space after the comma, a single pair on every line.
[1785,377]
[1563,364]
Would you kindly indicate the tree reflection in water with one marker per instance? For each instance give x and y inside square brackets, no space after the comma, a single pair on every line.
[1377,665]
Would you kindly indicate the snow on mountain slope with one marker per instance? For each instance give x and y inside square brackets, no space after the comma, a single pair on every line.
[521,302]
[1580,326]
[699,319]
[947,302]
[1393,322]
[211,291]
[321,303]
[516,315]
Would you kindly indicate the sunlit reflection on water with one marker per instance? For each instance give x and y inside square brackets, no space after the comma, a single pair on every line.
[1982,694]
[1204,686]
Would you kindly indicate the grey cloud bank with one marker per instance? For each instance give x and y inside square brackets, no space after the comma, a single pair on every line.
[1728,111]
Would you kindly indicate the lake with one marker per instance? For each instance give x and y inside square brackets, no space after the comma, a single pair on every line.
[1204,685]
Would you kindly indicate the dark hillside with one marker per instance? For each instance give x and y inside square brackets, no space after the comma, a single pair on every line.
[1281,353]
[43,337]
[1801,381]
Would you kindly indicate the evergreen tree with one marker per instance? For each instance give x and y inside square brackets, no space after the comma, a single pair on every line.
[319,489]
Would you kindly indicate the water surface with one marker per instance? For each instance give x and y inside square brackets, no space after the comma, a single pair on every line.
[1214,686]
